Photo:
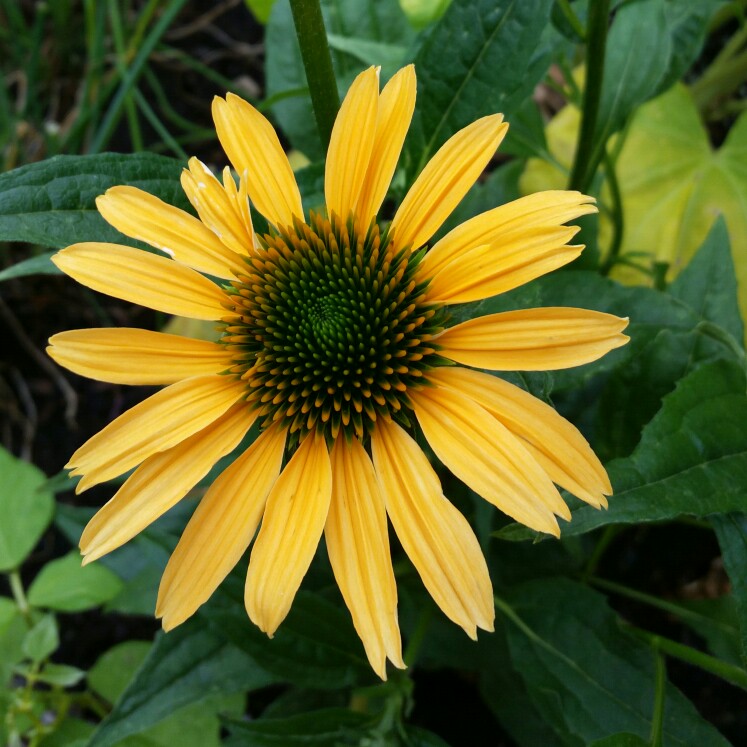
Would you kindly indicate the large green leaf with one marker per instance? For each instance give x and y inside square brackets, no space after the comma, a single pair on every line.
[52,202]
[12,631]
[691,460]
[26,509]
[482,57]
[184,666]
[586,676]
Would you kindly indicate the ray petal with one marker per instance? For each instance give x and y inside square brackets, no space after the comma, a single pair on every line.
[542,339]
[220,529]
[445,180]
[292,526]
[157,423]
[437,538]
[142,278]
[358,546]
[144,217]
[124,355]
[161,481]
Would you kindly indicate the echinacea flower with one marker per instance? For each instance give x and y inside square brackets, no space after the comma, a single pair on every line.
[335,339]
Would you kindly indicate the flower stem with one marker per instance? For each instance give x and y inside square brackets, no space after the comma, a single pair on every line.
[19,595]
[657,722]
[317,61]
[618,217]
[596,38]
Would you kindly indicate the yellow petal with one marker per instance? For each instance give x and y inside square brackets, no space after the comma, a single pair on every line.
[351,143]
[556,444]
[217,205]
[508,223]
[445,180]
[436,537]
[161,481]
[253,146]
[541,339]
[163,420]
[358,547]
[142,278]
[144,217]
[291,529]
[136,356]
[396,105]
[220,529]
[484,455]
[484,271]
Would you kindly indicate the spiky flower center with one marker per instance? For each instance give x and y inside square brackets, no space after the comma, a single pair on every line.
[330,329]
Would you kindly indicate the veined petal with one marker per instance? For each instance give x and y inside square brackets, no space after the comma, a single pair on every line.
[220,529]
[484,271]
[253,147]
[541,339]
[484,455]
[445,180]
[508,223]
[292,526]
[142,278]
[351,143]
[124,355]
[436,537]
[358,547]
[217,206]
[157,423]
[396,105]
[556,444]
[144,217]
[161,481]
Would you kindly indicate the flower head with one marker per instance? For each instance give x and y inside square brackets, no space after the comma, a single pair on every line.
[334,338]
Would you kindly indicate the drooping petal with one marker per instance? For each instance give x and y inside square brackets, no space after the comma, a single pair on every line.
[218,207]
[436,537]
[396,105]
[556,444]
[142,278]
[144,217]
[484,455]
[122,355]
[161,481]
[220,529]
[351,143]
[358,546]
[445,180]
[508,223]
[157,423]
[543,339]
[487,270]
[253,147]
[292,526]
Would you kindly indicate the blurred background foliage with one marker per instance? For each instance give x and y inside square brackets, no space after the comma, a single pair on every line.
[631,630]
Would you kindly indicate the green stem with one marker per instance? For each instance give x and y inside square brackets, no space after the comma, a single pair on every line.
[317,61]
[657,722]
[618,217]
[720,335]
[610,532]
[158,126]
[572,18]
[16,588]
[596,35]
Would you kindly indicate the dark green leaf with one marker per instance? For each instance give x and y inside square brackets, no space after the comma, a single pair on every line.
[585,674]
[184,666]
[52,202]
[480,58]
[716,620]
[620,740]
[42,639]
[417,737]
[114,669]
[26,509]
[39,265]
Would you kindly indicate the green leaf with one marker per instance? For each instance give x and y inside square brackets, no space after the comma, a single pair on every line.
[52,202]
[42,640]
[114,669]
[316,646]
[12,632]
[67,586]
[620,740]
[72,732]
[332,727]
[420,13]
[39,265]
[585,674]
[260,9]
[691,459]
[731,531]
[480,58]
[370,53]
[185,666]
[61,675]
[716,620]
[26,508]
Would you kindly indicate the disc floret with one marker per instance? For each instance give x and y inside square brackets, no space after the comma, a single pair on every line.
[330,329]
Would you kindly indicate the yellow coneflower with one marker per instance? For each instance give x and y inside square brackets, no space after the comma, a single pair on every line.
[334,338]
